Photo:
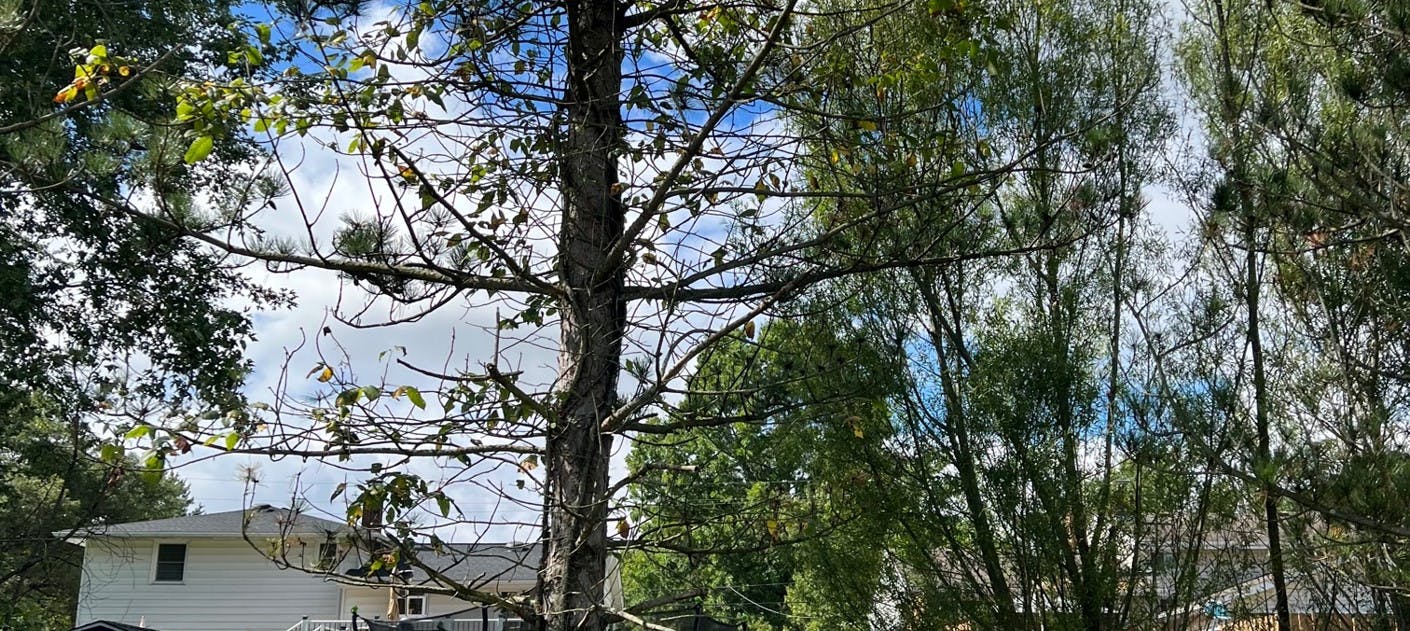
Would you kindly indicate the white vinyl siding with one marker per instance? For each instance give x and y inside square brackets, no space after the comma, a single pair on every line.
[372,603]
[226,586]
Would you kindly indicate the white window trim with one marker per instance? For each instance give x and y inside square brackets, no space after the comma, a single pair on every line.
[185,561]
[406,600]
[318,561]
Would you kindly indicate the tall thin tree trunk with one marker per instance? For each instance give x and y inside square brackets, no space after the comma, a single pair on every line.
[966,458]
[1263,457]
[1233,106]
[593,320]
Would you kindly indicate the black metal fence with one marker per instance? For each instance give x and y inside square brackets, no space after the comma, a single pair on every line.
[439,624]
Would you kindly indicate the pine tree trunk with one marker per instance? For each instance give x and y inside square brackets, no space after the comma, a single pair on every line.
[1263,456]
[593,320]
[1233,107]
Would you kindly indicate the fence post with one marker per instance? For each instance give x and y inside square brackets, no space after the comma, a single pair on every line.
[303,624]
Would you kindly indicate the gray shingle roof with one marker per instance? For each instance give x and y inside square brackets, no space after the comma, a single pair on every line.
[475,565]
[108,625]
[485,562]
[259,520]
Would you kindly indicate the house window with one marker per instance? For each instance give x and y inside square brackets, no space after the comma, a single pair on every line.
[171,563]
[327,556]
[1163,562]
[411,605]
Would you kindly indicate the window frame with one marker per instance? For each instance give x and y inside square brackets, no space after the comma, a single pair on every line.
[404,605]
[156,562]
[328,557]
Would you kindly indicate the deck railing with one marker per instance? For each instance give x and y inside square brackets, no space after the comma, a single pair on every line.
[419,624]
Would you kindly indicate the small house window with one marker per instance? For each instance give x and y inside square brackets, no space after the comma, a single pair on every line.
[411,605]
[327,556]
[171,563]
[1163,562]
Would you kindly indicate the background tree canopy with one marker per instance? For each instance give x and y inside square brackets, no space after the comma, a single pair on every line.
[859,312]
[103,318]
[51,484]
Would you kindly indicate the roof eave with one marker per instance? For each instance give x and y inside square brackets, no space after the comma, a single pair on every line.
[76,538]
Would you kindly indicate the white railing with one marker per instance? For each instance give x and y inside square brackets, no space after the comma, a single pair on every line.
[415,624]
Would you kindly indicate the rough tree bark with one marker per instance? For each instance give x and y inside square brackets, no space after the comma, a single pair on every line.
[593,322]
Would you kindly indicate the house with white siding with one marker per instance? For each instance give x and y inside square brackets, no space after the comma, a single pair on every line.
[273,569]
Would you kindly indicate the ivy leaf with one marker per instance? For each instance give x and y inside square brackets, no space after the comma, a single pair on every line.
[199,149]
[347,397]
[137,432]
[153,466]
[415,396]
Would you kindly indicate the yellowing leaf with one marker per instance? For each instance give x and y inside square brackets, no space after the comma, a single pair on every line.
[749,329]
[99,52]
[67,94]
[855,422]
[772,526]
